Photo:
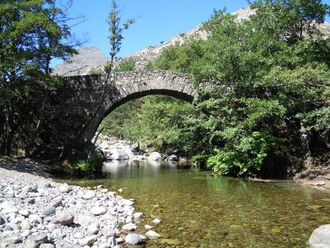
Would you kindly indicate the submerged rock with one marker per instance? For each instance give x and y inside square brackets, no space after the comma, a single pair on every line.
[133,239]
[156,221]
[320,237]
[152,234]
[148,227]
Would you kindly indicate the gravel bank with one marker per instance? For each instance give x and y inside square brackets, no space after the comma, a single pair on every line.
[37,212]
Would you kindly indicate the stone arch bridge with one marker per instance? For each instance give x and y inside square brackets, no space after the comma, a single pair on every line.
[87,100]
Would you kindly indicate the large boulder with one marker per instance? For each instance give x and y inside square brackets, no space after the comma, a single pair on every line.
[320,237]
[155,156]
[173,158]
[119,154]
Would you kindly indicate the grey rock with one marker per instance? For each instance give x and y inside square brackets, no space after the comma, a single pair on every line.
[31,201]
[8,207]
[155,156]
[93,228]
[120,240]
[156,221]
[7,228]
[10,194]
[89,194]
[98,210]
[148,227]
[133,239]
[30,244]
[30,188]
[90,240]
[65,244]
[127,202]
[51,227]
[39,238]
[137,215]
[34,218]
[25,233]
[85,221]
[24,212]
[320,237]
[49,211]
[78,235]
[22,195]
[129,227]
[46,185]
[108,232]
[18,219]
[13,240]
[173,158]
[2,220]
[112,241]
[25,225]
[56,202]
[46,246]
[13,226]
[63,219]
[59,234]
[64,188]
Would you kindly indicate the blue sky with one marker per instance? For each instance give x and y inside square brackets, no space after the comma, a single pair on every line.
[157,20]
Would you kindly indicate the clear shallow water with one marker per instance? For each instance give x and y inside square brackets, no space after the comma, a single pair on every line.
[201,210]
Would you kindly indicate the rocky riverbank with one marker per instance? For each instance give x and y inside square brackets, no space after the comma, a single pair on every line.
[115,149]
[38,212]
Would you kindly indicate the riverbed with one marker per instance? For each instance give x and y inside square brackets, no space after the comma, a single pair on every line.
[198,209]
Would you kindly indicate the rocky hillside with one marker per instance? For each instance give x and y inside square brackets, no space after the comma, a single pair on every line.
[90,60]
[85,62]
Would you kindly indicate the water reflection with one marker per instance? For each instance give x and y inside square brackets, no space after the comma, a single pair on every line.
[124,169]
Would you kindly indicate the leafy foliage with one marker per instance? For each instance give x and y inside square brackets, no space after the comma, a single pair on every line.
[125,65]
[155,121]
[91,166]
[31,34]
[263,86]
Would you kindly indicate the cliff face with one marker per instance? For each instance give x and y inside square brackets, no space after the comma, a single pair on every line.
[90,60]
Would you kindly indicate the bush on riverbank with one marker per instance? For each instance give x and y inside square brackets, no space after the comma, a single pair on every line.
[88,168]
[92,166]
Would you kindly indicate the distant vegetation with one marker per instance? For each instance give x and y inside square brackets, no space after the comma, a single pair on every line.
[127,64]
[153,121]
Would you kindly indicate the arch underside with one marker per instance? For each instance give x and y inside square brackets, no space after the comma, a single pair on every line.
[176,94]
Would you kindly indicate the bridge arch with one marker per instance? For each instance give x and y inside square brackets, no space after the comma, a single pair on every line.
[96,98]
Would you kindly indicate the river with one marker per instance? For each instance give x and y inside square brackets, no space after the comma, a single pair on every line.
[198,209]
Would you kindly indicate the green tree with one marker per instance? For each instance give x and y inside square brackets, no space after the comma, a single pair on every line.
[30,36]
[263,87]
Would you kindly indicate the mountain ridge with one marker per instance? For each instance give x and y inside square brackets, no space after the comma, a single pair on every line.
[91,60]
